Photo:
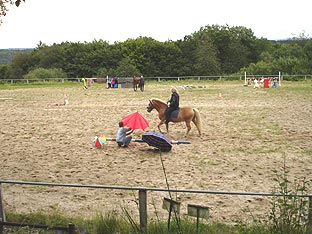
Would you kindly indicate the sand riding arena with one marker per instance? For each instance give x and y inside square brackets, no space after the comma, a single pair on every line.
[247,134]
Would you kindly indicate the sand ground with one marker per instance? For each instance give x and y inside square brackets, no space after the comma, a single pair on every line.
[247,134]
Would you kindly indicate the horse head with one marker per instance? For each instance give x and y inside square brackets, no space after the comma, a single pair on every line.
[150,106]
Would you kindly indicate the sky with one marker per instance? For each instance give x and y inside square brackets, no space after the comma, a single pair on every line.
[56,21]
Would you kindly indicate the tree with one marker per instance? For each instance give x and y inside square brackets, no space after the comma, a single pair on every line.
[76,62]
[4,6]
[308,56]
[21,64]
[4,73]
[207,62]
[236,46]
[126,68]
[49,56]
[187,59]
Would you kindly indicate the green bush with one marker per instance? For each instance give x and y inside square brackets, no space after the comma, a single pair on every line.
[42,73]
[289,210]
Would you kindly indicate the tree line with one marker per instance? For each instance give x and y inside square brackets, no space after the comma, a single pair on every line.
[212,50]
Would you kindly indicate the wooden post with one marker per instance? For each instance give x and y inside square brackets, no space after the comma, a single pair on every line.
[169,216]
[310,214]
[171,205]
[198,212]
[143,210]
[71,228]
[2,214]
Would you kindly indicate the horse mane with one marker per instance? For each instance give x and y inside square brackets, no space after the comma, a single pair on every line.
[159,100]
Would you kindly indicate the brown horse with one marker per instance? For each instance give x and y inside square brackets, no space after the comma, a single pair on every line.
[138,82]
[186,114]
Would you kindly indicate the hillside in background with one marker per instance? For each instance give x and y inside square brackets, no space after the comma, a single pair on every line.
[7,54]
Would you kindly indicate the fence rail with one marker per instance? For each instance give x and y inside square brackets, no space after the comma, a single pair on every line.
[158,78]
[142,192]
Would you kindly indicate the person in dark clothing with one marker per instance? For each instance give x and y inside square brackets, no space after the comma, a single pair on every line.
[141,83]
[173,104]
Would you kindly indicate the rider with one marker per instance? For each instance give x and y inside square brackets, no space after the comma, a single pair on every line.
[173,104]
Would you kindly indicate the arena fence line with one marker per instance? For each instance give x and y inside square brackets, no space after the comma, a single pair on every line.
[142,193]
[159,78]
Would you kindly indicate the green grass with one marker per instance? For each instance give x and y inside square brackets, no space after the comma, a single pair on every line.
[113,223]
[36,84]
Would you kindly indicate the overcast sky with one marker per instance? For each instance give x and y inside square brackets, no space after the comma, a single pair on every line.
[56,21]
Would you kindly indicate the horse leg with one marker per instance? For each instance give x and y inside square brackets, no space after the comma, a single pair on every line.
[188,126]
[160,123]
[197,120]
[197,126]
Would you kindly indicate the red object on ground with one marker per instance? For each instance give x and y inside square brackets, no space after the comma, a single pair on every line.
[266,82]
[97,143]
[135,121]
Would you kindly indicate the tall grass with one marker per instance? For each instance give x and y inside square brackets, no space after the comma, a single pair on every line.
[113,223]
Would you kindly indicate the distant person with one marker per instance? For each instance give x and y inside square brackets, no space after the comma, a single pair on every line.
[173,104]
[141,83]
[116,83]
[275,84]
[256,83]
[123,138]
[109,83]
[84,83]
[89,82]
[113,82]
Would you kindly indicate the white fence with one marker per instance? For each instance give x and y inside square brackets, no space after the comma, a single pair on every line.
[160,78]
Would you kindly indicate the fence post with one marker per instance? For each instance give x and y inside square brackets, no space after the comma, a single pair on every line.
[143,210]
[2,214]
[310,214]
[71,228]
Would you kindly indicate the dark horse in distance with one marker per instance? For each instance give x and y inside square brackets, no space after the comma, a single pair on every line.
[138,82]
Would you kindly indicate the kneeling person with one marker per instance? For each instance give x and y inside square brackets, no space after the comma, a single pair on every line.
[123,138]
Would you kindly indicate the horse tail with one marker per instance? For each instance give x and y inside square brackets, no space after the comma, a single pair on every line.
[197,120]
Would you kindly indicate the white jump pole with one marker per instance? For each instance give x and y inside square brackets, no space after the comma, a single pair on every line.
[279,78]
[245,78]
